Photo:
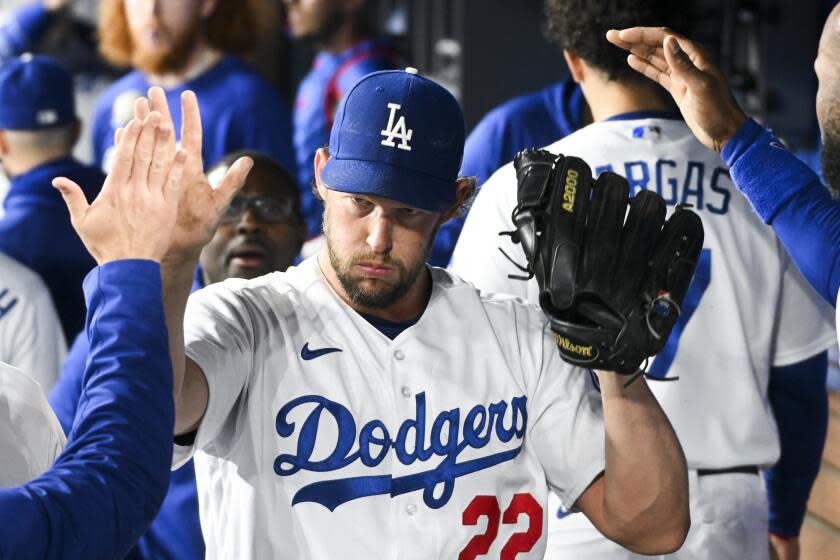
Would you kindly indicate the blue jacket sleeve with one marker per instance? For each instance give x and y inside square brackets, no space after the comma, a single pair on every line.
[105,488]
[800,405]
[23,30]
[65,394]
[789,196]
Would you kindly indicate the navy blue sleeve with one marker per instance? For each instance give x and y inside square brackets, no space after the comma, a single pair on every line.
[23,30]
[64,397]
[788,195]
[106,487]
[800,404]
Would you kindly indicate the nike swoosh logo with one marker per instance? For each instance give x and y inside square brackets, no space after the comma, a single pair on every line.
[308,354]
[778,145]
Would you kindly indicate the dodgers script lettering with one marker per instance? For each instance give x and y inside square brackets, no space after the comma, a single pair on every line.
[450,434]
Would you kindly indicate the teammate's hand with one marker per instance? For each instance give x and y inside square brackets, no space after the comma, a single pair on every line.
[784,549]
[134,215]
[201,206]
[684,69]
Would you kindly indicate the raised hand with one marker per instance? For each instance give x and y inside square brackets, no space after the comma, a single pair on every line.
[201,206]
[685,70]
[134,215]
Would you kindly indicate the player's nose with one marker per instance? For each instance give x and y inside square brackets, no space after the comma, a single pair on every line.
[380,234]
[248,222]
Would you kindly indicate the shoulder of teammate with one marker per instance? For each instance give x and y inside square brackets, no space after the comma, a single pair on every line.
[35,438]
[476,256]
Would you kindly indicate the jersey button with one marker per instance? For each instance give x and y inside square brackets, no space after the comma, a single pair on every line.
[411,509]
[399,354]
[406,392]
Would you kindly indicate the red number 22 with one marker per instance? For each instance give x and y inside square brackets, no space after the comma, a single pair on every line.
[488,506]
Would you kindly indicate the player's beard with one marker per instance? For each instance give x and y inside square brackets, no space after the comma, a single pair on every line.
[830,156]
[174,59]
[378,294]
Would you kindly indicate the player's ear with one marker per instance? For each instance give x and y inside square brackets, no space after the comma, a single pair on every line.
[321,157]
[464,192]
[575,64]
[4,143]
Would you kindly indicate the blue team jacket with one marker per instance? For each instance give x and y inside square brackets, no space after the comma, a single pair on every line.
[239,110]
[36,231]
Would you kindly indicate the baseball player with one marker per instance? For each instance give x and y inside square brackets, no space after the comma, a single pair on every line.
[106,486]
[30,333]
[30,435]
[191,45]
[725,421]
[365,396]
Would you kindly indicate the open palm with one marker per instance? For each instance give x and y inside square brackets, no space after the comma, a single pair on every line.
[134,215]
[200,206]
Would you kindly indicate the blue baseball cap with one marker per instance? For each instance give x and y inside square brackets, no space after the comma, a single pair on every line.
[400,136]
[35,92]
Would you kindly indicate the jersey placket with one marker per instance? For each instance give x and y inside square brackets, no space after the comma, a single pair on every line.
[406,374]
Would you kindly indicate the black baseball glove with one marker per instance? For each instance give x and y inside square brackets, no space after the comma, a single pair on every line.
[611,286]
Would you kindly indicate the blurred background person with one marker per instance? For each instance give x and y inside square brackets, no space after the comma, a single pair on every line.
[38,129]
[30,334]
[191,44]
[66,31]
[348,47]
[261,232]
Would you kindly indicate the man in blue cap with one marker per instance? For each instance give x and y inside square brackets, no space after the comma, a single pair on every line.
[38,129]
[363,404]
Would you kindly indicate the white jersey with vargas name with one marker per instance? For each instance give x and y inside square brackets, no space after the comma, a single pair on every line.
[325,439]
[748,308]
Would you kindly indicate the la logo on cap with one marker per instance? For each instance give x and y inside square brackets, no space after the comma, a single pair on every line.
[396,130]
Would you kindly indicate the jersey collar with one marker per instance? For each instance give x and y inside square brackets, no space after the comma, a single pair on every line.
[639,115]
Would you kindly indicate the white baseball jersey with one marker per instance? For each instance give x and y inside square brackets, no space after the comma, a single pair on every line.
[748,308]
[30,435]
[31,338]
[323,438]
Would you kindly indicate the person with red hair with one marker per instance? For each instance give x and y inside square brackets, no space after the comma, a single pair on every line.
[195,45]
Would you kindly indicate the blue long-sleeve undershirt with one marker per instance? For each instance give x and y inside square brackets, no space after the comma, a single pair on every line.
[106,487]
[800,405]
[788,195]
